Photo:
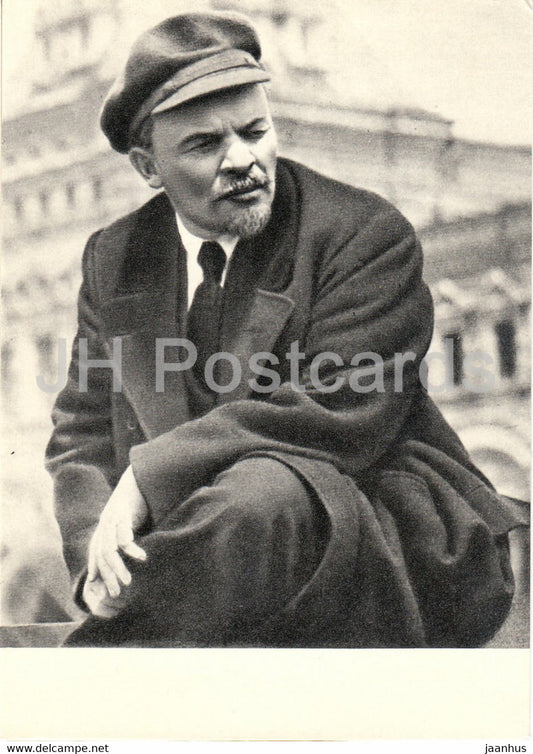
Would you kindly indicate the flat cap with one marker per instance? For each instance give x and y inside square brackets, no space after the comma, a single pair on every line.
[180,59]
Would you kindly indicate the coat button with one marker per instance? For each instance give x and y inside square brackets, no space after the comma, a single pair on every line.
[132,424]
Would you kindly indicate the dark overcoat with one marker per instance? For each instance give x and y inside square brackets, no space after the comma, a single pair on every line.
[415,551]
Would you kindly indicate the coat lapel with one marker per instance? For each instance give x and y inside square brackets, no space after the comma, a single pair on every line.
[259,329]
[257,305]
[147,303]
[146,299]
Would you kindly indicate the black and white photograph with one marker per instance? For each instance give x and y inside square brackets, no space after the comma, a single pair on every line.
[265,342]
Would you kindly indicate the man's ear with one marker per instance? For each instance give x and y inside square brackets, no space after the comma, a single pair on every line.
[144,163]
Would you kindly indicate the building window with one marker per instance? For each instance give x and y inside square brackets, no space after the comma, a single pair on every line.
[7,367]
[44,200]
[46,47]
[18,205]
[45,353]
[506,338]
[22,288]
[97,189]
[456,340]
[84,28]
[71,194]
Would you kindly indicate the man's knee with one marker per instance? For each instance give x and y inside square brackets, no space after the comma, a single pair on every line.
[273,532]
[259,508]
[265,487]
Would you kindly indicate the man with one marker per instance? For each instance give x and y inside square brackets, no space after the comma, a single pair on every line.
[244,474]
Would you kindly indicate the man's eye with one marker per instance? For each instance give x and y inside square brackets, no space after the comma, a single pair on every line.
[205,145]
[255,133]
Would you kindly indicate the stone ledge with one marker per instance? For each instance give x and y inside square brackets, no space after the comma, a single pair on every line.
[36,634]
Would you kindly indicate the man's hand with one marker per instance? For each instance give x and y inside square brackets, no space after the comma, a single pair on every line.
[99,602]
[124,513]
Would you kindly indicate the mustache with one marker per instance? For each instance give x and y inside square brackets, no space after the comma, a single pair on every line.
[244,184]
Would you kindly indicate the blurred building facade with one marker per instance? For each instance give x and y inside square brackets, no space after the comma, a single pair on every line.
[469,202]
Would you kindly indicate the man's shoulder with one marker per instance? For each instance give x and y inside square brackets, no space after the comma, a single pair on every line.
[328,200]
[129,233]
[317,187]
[147,214]
[128,248]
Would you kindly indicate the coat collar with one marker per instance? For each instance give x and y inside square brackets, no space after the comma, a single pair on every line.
[145,295]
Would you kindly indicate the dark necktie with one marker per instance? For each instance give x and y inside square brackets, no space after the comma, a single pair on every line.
[203,320]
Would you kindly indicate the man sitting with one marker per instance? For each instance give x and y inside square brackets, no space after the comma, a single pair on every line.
[245,454]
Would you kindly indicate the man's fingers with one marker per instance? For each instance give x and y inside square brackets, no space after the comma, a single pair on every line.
[114,536]
[126,543]
[99,602]
[134,551]
[109,551]
[114,561]
[108,577]
[93,592]
[92,570]
[116,602]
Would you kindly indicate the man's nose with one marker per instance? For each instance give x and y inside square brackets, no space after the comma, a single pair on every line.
[238,157]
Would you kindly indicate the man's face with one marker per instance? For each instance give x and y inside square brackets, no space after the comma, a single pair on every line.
[216,159]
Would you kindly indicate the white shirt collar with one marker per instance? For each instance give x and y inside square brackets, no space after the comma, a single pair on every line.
[192,245]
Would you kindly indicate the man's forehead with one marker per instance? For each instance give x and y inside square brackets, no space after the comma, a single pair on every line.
[239,106]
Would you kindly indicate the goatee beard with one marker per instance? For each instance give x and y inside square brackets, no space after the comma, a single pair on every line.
[249,223]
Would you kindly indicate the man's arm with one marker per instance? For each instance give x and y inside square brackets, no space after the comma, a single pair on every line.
[80,455]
